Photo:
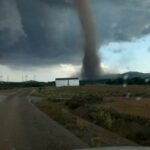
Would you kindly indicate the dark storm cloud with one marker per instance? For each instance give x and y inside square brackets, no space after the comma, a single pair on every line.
[146,29]
[61,3]
[47,32]
[118,20]
[11,28]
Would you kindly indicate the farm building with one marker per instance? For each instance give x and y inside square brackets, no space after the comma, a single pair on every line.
[60,82]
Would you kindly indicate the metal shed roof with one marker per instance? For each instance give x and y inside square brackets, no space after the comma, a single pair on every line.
[67,78]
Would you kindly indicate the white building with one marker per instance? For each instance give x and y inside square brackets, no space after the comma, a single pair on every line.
[61,82]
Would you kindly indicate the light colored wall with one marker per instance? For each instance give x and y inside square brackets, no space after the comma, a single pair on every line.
[61,83]
[74,82]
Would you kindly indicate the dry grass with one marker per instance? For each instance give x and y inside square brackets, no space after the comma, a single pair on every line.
[131,106]
[104,90]
[128,116]
[7,90]
[113,95]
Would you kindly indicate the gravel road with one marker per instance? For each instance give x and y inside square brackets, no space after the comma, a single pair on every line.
[24,127]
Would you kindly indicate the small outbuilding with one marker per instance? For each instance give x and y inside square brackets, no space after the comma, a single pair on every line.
[61,82]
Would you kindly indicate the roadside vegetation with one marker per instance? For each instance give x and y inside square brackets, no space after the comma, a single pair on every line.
[122,110]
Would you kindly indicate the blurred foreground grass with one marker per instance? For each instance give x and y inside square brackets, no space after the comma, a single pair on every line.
[104,105]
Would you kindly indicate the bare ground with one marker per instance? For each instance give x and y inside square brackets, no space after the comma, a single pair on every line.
[24,127]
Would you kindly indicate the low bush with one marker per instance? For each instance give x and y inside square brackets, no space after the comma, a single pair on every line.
[115,115]
[132,127]
[102,117]
[82,100]
[65,117]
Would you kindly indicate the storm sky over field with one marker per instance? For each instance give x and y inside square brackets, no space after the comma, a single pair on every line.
[44,37]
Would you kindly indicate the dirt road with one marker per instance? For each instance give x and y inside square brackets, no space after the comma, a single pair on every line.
[24,127]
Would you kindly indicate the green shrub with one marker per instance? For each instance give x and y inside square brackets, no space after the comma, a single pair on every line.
[40,89]
[84,99]
[65,117]
[108,115]
[100,116]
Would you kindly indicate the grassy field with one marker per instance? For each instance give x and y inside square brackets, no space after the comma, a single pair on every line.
[104,90]
[122,110]
[131,106]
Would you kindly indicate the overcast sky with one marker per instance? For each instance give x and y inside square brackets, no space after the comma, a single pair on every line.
[43,38]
